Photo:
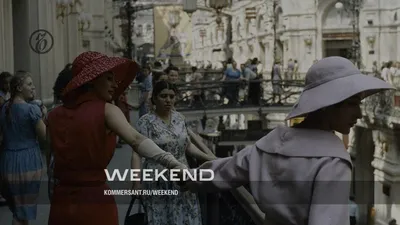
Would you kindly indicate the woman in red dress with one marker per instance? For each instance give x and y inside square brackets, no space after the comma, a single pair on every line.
[82,134]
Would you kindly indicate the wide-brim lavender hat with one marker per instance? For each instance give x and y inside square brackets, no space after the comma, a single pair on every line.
[332,80]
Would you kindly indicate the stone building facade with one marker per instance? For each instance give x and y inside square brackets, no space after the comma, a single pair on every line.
[209,39]
[305,30]
[143,36]
[20,18]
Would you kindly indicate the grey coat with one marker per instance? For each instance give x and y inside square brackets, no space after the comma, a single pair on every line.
[296,176]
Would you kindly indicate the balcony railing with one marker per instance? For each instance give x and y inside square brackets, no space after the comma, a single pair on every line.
[213,94]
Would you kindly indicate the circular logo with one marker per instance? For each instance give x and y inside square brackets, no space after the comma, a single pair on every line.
[41,41]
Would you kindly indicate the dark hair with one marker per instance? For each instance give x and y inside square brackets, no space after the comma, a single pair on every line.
[171,67]
[194,69]
[3,78]
[157,64]
[16,81]
[64,77]
[146,67]
[160,86]
[156,76]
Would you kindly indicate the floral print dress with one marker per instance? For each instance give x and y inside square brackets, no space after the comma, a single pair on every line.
[181,209]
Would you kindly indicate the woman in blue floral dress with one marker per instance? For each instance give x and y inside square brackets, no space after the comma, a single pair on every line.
[167,128]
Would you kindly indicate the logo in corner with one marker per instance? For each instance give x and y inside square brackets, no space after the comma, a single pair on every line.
[41,41]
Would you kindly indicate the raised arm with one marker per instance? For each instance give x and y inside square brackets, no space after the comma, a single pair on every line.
[229,173]
[116,122]
[196,153]
[331,194]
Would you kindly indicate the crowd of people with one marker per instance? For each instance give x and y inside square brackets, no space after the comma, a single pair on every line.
[389,72]
[239,85]
[80,136]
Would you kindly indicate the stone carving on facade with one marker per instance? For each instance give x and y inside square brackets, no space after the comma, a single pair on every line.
[251,28]
[239,31]
[220,35]
[201,2]
[379,109]
[250,46]
[381,143]
[337,19]
[262,22]
[176,42]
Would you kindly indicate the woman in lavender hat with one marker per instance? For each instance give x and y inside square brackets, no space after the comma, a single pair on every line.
[302,174]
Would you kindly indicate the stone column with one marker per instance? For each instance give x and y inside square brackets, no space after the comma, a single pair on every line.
[256,48]
[6,35]
[269,53]
[246,53]
[235,50]
[53,61]
[74,37]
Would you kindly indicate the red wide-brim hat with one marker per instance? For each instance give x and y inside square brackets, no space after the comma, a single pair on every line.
[90,65]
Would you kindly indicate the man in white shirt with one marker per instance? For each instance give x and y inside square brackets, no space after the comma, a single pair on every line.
[393,69]
[386,71]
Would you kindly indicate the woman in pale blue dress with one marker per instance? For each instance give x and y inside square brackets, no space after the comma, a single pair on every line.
[20,160]
[167,128]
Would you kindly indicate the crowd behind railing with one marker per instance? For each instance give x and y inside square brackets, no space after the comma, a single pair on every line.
[229,87]
[387,71]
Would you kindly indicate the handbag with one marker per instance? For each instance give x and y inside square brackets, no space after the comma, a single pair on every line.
[139,218]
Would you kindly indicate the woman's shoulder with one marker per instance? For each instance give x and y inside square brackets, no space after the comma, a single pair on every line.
[23,106]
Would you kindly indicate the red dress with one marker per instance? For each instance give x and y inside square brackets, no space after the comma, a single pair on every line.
[82,150]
